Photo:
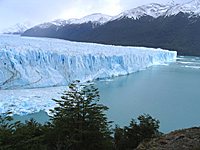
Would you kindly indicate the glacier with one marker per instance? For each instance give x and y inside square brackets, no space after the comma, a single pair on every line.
[27,63]
[36,62]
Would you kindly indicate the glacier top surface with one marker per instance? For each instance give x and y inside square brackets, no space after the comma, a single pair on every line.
[24,44]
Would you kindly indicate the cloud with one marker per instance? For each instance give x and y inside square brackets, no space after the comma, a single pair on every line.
[81,8]
[28,9]
[35,11]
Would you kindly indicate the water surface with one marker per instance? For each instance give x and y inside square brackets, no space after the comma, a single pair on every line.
[170,93]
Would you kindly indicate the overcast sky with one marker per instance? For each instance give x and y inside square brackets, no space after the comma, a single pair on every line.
[39,11]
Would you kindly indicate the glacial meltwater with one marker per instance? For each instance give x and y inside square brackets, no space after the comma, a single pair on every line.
[169,93]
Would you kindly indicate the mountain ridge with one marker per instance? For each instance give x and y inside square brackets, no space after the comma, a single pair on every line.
[18,28]
[153,9]
[171,26]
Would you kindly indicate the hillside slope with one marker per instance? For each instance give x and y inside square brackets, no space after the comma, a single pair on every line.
[187,139]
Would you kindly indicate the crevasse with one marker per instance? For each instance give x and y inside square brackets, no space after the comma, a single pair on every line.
[36,62]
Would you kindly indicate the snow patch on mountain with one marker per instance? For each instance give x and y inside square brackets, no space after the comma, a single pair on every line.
[153,9]
[96,19]
[192,8]
[156,10]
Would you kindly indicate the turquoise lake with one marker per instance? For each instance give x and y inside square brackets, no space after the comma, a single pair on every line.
[169,93]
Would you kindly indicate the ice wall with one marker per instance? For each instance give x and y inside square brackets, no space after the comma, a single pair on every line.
[35,62]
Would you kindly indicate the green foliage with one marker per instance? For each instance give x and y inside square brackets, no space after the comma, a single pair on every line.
[79,122]
[6,130]
[28,136]
[130,136]
[19,136]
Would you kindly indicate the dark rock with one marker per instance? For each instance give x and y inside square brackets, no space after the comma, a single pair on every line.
[186,139]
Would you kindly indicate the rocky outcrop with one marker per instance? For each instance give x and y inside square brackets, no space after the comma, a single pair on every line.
[186,139]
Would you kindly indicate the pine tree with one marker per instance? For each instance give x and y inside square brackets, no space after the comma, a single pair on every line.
[79,121]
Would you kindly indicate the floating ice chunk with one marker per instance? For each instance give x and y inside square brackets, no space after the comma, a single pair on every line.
[193,67]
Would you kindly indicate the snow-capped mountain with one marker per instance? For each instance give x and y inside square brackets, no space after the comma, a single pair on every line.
[170,26]
[58,22]
[96,19]
[153,10]
[192,8]
[157,10]
[17,28]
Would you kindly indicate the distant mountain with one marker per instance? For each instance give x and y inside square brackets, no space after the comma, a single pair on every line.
[71,29]
[17,28]
[171,26]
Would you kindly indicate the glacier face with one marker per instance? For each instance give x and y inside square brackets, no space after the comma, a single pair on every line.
[35,62]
